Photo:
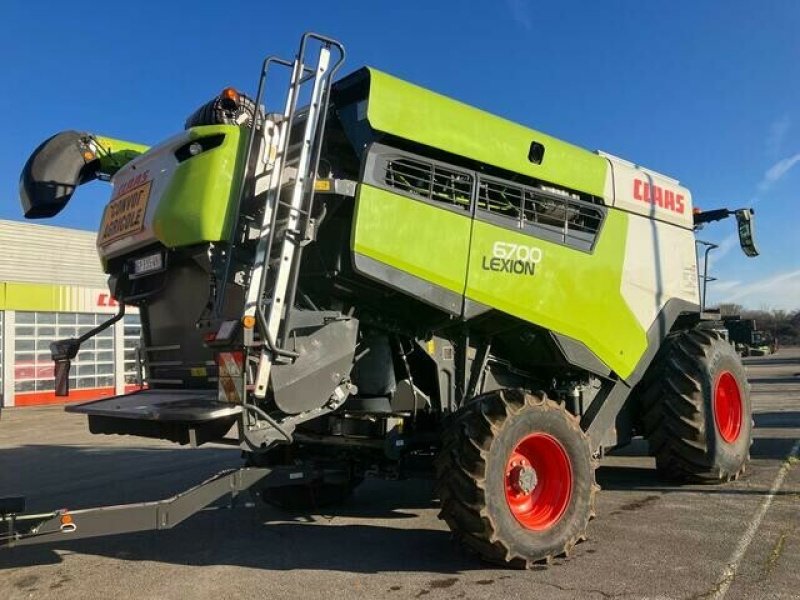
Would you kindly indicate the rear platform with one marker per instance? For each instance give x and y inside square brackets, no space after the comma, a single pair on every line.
[182,416]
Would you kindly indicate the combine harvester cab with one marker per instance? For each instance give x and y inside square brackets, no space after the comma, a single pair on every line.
[377,275]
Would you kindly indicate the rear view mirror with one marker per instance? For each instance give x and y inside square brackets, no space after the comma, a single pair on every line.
[744,222]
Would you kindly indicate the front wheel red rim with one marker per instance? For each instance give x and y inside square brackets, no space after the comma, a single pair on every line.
[728,407]
[538,481]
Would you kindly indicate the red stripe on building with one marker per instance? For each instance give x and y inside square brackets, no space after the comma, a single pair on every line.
[43,398]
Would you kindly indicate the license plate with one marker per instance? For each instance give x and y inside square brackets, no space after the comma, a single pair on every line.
[125,214]
[148,264]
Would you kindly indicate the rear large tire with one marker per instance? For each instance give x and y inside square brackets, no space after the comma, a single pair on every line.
[697,411]
[516,478]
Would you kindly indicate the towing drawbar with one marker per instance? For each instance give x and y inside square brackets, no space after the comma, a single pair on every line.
[17,529]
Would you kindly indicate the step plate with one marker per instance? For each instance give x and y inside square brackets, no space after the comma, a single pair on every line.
[188,406]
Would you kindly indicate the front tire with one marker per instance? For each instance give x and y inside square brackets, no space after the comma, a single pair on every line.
[697,409]
[516,478]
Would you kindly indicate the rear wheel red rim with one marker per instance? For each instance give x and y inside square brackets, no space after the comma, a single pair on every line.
[538,481]
[728,407]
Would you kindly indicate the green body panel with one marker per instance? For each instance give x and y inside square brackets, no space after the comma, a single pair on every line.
[571,292]
[414,113]
[116,153]
[196,207]
[421,239]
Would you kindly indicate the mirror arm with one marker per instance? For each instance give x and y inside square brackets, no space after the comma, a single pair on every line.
[708,216]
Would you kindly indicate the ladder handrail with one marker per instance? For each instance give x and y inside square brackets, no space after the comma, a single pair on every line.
[314,166]
[270,60]
[310,135]
[288,243]
[289,118]
[278,251]
[244,180]
[252,301]
[329,74]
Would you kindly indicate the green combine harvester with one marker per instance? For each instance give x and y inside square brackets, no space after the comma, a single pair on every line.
[376,279]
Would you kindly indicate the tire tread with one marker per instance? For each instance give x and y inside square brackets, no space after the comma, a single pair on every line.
[673,413]
[461,483]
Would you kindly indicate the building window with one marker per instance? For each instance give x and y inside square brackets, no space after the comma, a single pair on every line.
[132,341]
[33,366]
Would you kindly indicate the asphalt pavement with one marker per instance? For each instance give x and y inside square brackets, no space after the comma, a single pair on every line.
[650,540]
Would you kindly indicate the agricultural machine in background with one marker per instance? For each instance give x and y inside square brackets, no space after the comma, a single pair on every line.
[378,277]
[747,338]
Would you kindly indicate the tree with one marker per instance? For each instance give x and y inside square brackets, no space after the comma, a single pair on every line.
[730,309]
[781,325]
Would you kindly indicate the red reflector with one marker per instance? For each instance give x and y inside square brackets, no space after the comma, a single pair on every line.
[210,337]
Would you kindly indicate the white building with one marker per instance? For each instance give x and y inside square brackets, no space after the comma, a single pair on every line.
[52,287]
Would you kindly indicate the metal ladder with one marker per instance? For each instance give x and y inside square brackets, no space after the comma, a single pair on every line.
[287,180]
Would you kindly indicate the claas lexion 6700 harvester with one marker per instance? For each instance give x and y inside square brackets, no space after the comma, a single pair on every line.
[380,278]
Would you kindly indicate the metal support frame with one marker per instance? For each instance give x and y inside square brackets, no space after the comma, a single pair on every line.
[702,280]
[66,525]
[63,351]
[462,364]
[602,413]
[478,368]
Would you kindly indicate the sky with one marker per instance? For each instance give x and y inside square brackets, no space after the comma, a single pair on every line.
[706,92]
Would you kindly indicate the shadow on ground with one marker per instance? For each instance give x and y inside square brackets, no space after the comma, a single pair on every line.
[770,361]
[774,380]
[764,447]
[387,535]
[779,419]
[250,536]
[256,536]
[240,539]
